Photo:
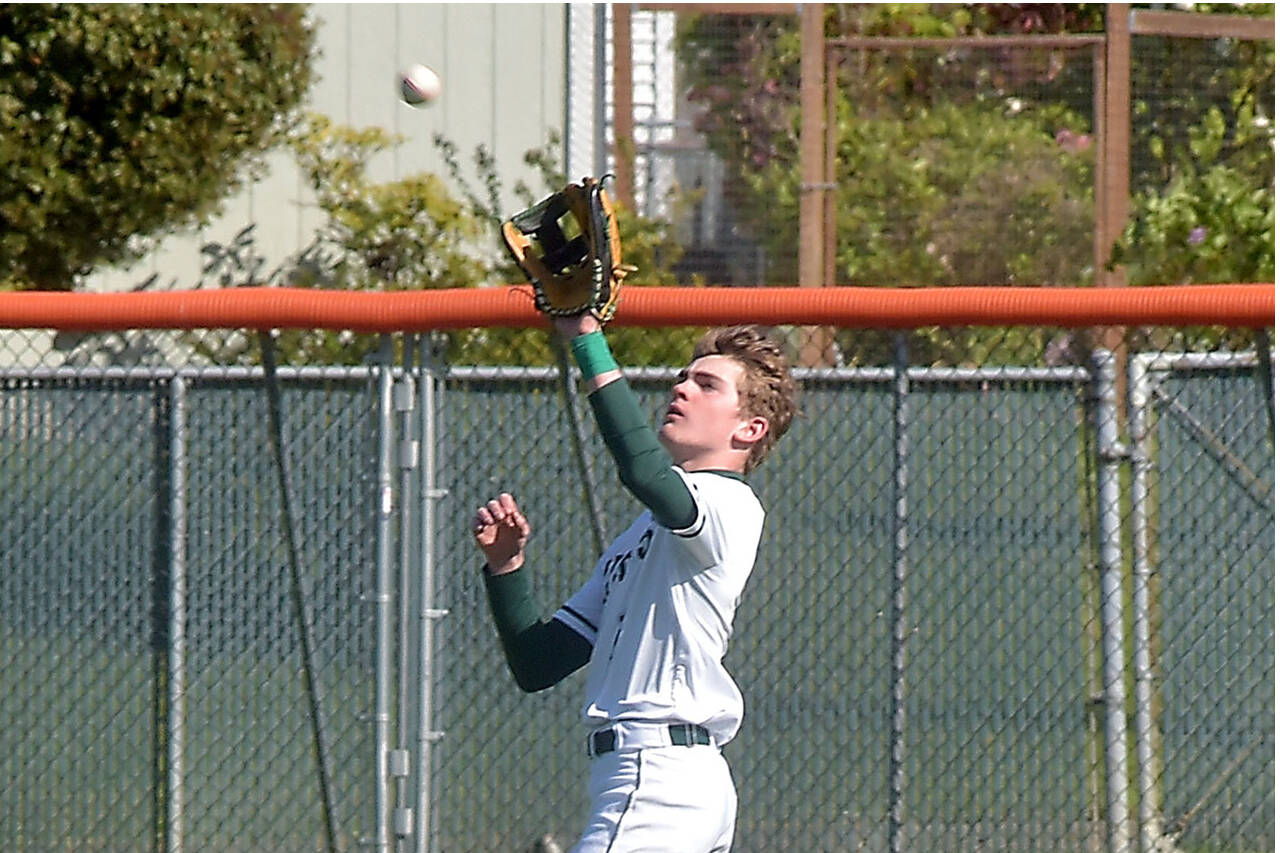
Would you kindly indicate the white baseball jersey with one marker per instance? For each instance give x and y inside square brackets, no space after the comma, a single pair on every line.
[658,610]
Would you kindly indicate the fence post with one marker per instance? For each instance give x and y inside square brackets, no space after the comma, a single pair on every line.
[813,87]
[1149,823]
[897,606]
[176,675]
[383,597]
[407,456]
[428,613]
[1110,567]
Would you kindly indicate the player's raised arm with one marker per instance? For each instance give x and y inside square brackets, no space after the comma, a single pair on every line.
[568,247]
[644,466]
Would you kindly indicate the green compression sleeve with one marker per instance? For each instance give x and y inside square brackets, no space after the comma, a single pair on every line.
[591,351]
[539,654]
[643,465]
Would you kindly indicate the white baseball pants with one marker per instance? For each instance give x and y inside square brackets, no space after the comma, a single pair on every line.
[671,799]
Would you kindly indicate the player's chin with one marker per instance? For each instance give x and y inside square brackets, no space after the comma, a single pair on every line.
[669,436]
[677,445]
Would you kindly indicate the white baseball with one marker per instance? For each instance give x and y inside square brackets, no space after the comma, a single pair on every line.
[419,85]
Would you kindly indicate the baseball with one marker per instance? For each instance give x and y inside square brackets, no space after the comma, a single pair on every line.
[419,85]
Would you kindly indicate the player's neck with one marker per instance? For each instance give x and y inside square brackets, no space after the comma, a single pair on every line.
[714,461]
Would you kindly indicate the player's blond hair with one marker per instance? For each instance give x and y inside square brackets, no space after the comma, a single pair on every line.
[766,390]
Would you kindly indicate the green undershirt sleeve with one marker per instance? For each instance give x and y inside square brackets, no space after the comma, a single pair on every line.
[643,465]
[539,653]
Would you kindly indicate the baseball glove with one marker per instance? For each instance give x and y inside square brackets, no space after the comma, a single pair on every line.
[568,247]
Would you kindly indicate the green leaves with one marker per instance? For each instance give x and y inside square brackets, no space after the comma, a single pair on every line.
[408,234]
[957,166]
[1214,219]
[418,233]
[121,124]
[1203,227]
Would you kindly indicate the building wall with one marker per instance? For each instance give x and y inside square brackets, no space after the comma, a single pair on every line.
[504,73]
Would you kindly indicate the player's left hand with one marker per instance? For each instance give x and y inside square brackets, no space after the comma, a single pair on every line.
[570,275]
[501,532]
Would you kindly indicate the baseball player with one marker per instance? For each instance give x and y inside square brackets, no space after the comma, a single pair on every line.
[653,621]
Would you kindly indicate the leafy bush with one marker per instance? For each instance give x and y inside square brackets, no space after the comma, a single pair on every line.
[951,168]
[954,194]
[1215,219]
[413,234]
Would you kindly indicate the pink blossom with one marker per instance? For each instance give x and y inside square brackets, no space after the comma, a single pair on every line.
[1074,142]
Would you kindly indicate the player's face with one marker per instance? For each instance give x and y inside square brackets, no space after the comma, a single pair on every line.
[703,419]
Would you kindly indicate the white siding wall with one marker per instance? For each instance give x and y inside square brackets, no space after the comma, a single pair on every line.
[504,74]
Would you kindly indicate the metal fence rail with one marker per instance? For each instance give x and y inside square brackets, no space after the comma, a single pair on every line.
[993,608]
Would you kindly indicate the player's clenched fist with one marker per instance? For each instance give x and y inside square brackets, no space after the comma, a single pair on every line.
[501,533]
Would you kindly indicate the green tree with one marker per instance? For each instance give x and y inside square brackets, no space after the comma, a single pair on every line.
[950,167]
[946,195]
[911,128]
[972,166]
[124,123]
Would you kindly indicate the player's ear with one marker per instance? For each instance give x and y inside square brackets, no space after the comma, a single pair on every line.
[751,430]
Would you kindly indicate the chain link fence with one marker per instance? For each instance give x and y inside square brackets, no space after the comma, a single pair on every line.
[1016,585]
[152,679]
[996,605]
